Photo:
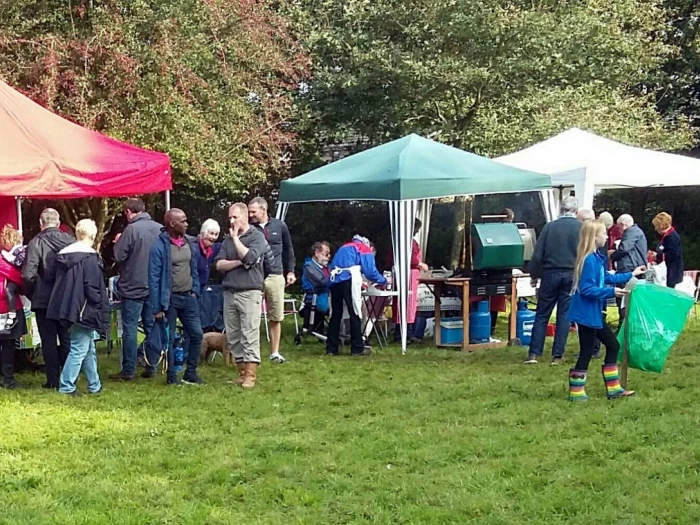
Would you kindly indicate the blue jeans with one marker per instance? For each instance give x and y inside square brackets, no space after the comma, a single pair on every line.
[555,290]
[186,336]
[82,356]
[185,307]
[132,310]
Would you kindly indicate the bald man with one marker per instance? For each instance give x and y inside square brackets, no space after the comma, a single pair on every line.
[173,286]
[241,261]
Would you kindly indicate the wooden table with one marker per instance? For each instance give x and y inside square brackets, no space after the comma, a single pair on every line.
[438,285]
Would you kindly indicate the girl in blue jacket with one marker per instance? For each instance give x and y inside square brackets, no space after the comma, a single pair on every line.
[590,293]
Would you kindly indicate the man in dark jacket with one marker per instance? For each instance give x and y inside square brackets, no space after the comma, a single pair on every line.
[281,272]
[37,273]
[553,262]
[79,301]
[132,250]
[174,289]
[241,262]
[631,253]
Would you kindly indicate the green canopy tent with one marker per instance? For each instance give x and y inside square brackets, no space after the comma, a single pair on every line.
[408,173]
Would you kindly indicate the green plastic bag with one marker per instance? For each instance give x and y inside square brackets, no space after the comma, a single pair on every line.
[656,316]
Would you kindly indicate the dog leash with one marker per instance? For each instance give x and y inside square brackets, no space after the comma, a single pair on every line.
[163,353]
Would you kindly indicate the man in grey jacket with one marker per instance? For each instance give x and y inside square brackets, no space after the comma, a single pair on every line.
[131,250]
[631,252]
[241,262]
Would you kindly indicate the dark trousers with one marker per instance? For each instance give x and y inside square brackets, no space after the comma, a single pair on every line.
[132,311]
[7,360]
[10,295]
[341,294]
[55,354]
[622,312]
[555,290]
[587,337]
[185,307]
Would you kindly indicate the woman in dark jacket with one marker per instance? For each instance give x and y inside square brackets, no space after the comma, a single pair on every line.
[79,301]
[670,249]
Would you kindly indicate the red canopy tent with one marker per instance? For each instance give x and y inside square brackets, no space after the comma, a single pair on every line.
[45,156]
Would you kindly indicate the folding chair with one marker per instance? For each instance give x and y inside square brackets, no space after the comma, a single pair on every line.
[287,312]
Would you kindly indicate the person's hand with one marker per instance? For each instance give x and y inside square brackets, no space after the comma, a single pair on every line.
[639,270]
[234,230]
[291,278]
[423,267]
[193,294]
[610,252]
[533,283]
[160,316]
[619,292]
[117,237]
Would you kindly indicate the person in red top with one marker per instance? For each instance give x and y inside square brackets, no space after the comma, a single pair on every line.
[10,274]
[417,266]
[614,233]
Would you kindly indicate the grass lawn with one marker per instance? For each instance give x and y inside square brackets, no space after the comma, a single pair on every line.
[431,437]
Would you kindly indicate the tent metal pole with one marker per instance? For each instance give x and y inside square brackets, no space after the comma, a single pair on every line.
[167,200]
[18,203]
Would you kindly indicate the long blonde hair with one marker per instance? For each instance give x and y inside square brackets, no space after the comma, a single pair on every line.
[586,246]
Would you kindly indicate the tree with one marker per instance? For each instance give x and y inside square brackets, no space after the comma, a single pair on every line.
[487,76]
[210,82]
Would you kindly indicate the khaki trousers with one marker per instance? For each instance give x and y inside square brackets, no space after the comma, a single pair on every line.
[242,311]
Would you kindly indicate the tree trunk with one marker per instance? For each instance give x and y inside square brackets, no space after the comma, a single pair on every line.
[102,211]
[458,231]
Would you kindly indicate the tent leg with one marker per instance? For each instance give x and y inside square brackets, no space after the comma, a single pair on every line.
[167,200]
[18,202]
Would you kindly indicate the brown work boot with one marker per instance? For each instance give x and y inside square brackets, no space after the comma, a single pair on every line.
[121,377]
[251,372]
[241,375]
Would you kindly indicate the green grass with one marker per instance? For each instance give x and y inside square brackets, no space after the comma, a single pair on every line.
[432,437]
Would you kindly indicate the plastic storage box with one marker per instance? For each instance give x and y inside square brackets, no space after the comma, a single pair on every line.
[451,332]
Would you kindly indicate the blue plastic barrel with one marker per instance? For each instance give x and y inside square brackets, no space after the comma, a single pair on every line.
[480,324]
[524,320]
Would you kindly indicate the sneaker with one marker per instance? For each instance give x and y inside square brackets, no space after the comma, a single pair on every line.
[193,380]
[121,377]
[174,381]
[556,361]
[148,374]
[531,360]
[367,351]
[277,358]
[96,392]
[333,354]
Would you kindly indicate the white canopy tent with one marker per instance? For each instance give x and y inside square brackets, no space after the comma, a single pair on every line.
[587,163]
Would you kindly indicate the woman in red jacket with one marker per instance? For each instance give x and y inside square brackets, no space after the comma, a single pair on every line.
[10,276]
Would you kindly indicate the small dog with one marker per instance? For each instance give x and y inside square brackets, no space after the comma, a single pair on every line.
[215,342]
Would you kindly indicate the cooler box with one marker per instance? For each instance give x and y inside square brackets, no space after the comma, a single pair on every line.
[452,332]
